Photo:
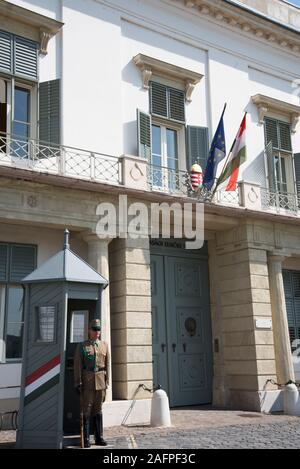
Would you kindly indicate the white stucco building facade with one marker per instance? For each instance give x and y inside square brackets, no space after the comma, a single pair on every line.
[211,326]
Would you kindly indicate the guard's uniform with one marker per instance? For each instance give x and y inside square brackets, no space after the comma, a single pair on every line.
[91,365]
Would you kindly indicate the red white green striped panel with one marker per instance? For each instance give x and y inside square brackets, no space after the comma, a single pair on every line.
[41,380]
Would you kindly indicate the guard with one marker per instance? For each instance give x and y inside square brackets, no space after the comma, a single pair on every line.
[91,379]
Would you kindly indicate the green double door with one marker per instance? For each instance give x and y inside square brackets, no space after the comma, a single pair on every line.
[182,345]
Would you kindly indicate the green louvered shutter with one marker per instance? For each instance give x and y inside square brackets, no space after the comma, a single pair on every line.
[271,133]
[26,58]
[197,146]
[3,262]
[176,105]
[22,262]
[144,134]
[285,136]
[291,281]
[6,52]
[49,111]
[158,99]
[271,166]
[287,282]
[297,171]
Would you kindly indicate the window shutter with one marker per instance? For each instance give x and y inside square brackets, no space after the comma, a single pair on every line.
[287,282]
[285,136]
[297,171]
[177,105]
[3,262]
[271,166]
[49,111]
[144,134]
[158,99]
[22,262]
[26,57]
[197,146]
[271,134]
[6,52]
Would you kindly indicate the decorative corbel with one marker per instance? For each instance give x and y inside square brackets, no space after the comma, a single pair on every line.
[294,122]
[262,111]
[146,77]
[45,37]
[189,88]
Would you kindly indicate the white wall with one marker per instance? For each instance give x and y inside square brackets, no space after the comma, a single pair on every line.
[101,87]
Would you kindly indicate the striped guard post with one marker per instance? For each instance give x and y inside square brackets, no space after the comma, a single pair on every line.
[41,380]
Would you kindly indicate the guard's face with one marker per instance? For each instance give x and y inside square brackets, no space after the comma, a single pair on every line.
[94,334]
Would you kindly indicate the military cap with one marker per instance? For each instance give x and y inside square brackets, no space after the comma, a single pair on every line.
[95,324]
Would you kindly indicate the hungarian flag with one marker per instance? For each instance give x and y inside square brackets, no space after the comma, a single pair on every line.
[237,156]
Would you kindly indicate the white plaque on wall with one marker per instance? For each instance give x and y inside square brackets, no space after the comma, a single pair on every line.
[263,323]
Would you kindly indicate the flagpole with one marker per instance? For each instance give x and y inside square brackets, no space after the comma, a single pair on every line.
[224,108]
[226,161]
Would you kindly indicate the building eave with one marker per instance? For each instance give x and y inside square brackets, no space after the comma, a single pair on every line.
[248,22]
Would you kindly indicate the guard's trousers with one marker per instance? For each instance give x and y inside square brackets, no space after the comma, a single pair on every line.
[92,401]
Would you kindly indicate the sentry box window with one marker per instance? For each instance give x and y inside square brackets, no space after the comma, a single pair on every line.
[46,324]
[79,326]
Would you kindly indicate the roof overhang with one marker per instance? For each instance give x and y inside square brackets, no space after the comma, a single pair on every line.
[248,21]
[37,27]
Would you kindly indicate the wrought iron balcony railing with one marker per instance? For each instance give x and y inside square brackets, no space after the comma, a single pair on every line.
[61,160]
[58,159]
[280,202]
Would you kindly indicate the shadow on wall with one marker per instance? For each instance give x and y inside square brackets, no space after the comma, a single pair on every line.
[255,171]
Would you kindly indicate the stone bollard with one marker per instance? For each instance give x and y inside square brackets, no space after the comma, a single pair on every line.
[291,400]
[160,410]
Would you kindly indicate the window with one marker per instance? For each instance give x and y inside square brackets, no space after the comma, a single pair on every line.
[291,280]
[18,117]
[167,102]
[46,324]
[165,157]
[16,261]
[79,326]
[14,322]
[279,156]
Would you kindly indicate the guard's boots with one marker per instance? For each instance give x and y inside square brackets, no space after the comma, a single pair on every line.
[98,422]
[86,432]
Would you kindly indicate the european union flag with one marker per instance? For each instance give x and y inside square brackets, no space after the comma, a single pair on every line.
[216,154]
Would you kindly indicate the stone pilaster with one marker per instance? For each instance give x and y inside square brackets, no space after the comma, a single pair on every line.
[247,353]
[130,292]
[98,258]
[284,364]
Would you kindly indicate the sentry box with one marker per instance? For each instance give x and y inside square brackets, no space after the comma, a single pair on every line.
[61,297]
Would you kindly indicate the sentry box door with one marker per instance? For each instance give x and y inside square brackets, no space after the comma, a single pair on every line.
[80,313]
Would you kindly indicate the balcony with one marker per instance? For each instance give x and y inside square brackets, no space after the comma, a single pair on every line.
[134,173]
[60,160]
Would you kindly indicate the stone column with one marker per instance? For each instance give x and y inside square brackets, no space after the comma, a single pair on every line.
[283,356]
[98,258]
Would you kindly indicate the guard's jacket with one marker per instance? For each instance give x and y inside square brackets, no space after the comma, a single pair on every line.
[91,365]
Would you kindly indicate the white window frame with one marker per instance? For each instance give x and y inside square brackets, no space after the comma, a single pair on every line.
[165,124]
[13,83]
[86,323]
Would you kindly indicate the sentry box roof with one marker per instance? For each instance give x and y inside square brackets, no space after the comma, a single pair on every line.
[65,266]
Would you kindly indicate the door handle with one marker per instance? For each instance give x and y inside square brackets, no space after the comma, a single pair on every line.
[174,347]
[163,346]
[184,347]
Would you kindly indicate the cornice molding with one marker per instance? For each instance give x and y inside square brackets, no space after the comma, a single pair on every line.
[246,22]
[149,66]
[46,27]
[265,104]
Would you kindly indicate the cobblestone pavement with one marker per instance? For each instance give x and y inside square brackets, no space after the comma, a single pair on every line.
[201,427]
